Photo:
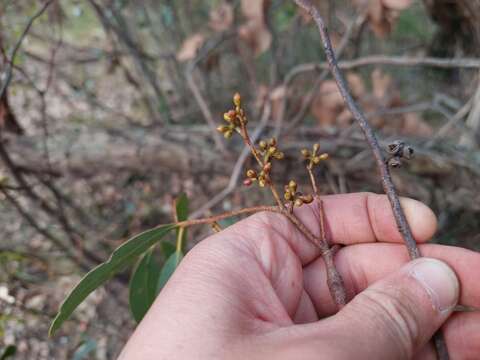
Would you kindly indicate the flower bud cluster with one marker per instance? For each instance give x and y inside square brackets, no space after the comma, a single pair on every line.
[294,197]
[235,118]
[269,150]
[313,157]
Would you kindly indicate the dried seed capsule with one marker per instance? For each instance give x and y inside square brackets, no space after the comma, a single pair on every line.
[252,174]
[395,162]
[305,153]
[298,202]
[408,152]
[247,182]
[396,147]
[262,144]
[237,99]
[292,185]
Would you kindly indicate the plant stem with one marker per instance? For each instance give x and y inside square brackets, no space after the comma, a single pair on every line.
[312,180]
[248,142]
[387,182]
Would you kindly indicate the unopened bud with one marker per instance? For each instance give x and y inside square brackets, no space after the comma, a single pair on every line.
[316,147]
[292,185]
[228,134]
[272,150]
[305,153]
[237,99]
[227,117]
[395,162]
[262,144]
[252,174]
[287,195]
[323,156]
[279,155]
[247,182]
[272,142]
[262,182]
[222,128]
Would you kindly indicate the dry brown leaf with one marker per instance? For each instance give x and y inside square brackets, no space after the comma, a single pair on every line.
[255,9]
[414,125]
[221,17]
[190,47]
[382,14]
[381,84]
[356,84]
[397,4]
[255,31]
[256,35]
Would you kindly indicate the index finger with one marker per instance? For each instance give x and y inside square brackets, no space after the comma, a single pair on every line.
[357,218]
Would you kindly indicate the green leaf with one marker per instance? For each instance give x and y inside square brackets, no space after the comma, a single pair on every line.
[143,286]
[167,248]
[99,275]
[168,269]
[85,349]
[10,350]
[181,207]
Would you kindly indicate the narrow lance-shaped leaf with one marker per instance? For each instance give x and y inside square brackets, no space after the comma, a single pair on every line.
[9,351]
[168,269]
[122,256]
[143,286]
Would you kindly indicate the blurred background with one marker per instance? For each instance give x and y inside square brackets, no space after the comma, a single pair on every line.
[111,110]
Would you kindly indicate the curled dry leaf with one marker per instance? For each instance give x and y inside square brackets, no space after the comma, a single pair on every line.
[221,17]
[328,106]
[256,35]
[255,32]
[190,47]
[382,14]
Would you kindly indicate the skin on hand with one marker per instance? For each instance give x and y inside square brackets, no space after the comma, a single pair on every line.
[258,290]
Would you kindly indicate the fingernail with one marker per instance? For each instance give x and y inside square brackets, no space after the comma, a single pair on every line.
[438,280]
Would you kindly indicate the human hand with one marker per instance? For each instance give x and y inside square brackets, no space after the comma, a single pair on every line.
[257,290]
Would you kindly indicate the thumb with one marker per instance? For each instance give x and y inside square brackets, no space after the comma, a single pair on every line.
[395,317]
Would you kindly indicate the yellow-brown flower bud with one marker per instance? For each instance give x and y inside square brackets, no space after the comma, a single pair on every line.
[228,134]
[292,185]
[298,202]
[324,156]
[272,142]
[316,147]
[272,150]
[287,195]
[223,128]
[279,155]
[262,144]
[251,173]
[237,100]
[305,153]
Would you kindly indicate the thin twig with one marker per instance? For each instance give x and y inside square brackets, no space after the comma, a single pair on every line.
[9,68]
[387,183]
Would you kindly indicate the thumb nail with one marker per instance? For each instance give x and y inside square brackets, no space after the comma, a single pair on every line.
[438,280]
